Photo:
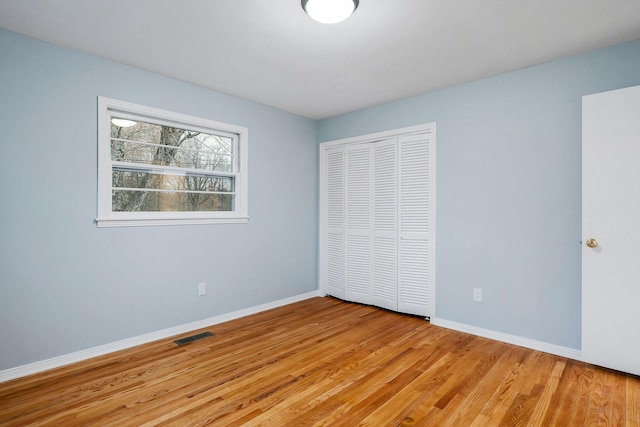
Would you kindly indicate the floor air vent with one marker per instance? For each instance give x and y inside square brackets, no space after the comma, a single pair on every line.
[192,338]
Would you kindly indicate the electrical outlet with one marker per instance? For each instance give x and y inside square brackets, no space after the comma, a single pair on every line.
[202,288]
[477,294]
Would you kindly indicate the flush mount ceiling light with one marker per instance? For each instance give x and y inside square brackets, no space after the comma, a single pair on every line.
[329,11]
[122,123]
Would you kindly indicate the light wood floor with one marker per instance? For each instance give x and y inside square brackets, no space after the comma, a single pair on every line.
[325,362]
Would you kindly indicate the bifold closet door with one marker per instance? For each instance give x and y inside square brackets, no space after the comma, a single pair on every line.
[371,224]
[361,223]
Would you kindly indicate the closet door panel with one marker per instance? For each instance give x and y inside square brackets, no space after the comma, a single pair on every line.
[385,230]
[334,246]
[358,224]
[416,213]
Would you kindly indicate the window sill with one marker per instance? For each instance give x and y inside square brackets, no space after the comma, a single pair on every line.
[106,223]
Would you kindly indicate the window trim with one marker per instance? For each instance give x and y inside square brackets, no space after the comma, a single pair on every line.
[107,218]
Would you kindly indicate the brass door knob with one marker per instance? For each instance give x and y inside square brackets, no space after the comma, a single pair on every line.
[592,243]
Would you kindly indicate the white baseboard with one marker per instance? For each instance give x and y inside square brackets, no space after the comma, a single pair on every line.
[571,353]
[55,362]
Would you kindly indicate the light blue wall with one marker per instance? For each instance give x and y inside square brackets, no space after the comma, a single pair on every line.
[508,189]
[66,285]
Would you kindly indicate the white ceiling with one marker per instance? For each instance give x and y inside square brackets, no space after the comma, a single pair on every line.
[271,52]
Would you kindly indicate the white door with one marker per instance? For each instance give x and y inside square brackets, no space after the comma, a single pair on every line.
[611,226]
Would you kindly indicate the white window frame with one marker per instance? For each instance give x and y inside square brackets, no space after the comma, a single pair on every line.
[107,218]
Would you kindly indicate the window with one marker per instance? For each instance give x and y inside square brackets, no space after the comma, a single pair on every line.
[156,167]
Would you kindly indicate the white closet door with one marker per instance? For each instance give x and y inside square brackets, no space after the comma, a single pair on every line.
[385,241]
[358,227]
[416,211]
[334,250]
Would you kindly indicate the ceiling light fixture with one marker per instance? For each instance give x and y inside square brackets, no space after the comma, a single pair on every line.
[122,123]
[329,11]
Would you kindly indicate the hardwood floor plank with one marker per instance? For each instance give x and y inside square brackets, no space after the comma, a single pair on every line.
[548,392]
[612,406]
[632,402]
[324,362]
[595,398]
[579,416]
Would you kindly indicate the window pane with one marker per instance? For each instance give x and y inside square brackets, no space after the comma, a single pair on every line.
[154,201]
[159,181]
[139,142]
